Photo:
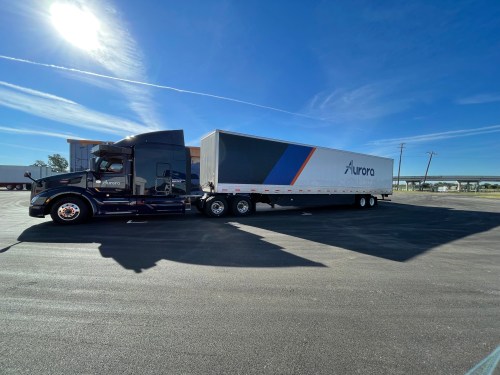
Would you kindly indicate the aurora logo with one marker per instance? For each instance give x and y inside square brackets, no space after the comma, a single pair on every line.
[359,170]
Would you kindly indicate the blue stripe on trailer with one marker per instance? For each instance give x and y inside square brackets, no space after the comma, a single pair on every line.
[285,170]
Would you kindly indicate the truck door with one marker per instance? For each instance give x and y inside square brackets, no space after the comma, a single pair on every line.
[111,185]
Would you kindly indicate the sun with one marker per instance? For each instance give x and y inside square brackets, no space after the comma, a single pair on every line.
[79,27]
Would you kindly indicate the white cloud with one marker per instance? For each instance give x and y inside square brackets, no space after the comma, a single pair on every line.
[423,138]
[64,111]
[120,54]
[36,93]
[479,99]
[6,129]
[366,102]
[33,148]
[140,83]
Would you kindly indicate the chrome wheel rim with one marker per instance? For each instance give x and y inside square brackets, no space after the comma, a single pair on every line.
[372,201]
[68,211]
[217,207]
[362,202]
[242,207]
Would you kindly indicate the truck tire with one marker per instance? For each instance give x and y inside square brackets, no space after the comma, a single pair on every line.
[362,201]
[372,201]
[241,206]
[216,206]
[10,187]
[69,210]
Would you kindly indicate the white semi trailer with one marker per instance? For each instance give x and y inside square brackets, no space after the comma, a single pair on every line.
[239,170]
[12,176]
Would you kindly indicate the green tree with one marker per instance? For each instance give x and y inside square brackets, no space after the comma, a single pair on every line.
[58,163]
[39,163]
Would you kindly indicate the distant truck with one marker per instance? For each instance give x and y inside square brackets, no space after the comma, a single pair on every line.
[12,176]
[151,174]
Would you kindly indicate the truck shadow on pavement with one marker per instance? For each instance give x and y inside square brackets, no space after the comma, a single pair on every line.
[188,239]
[393,231]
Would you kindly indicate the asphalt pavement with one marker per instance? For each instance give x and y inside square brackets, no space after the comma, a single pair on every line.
[409,287]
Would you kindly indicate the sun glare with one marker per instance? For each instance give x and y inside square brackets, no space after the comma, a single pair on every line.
[79,27]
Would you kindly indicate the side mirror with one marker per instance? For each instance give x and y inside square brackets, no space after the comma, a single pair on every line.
[28,175]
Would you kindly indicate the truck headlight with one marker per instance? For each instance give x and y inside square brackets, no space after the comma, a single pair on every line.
[37,200]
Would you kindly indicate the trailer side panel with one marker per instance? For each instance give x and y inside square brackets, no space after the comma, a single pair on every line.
[249,165]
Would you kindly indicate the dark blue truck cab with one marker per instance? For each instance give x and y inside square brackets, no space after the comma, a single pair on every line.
[145,174]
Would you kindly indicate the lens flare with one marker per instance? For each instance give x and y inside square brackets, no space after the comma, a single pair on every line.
[78,26]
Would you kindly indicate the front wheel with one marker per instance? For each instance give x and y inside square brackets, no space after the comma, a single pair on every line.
[69,210]
[216,206]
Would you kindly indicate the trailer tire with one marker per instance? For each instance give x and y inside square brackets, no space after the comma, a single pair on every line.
[19,187]
[10,187]
[216,206]
[241,206]
[372,201]
[362,202]
[69,210]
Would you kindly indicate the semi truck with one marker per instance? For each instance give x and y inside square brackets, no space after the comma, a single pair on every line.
[151,174]
[12,176]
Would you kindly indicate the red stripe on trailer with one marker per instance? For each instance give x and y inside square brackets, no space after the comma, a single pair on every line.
[303,165]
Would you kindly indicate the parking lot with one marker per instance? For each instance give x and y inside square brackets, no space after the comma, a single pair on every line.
[411,286]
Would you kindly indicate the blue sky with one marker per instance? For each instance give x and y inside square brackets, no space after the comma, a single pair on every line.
[357,75]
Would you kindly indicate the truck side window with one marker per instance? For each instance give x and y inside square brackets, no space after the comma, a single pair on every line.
[115,168]
[111,165]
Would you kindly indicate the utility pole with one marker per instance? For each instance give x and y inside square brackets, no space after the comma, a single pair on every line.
[431,153]
[401,146]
